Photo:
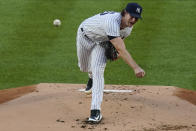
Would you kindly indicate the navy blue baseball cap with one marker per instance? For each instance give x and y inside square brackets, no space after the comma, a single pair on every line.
[134,10]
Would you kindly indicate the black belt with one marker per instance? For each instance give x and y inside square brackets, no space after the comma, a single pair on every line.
[83,32]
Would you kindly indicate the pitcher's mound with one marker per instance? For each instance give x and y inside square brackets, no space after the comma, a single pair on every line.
[61,107]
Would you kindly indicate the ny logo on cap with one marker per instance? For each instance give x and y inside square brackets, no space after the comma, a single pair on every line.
[138,10]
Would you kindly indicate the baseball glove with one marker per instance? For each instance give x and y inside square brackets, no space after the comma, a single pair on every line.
[110,51]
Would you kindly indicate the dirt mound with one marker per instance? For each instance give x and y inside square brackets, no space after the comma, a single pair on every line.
[9,94]
[62,107]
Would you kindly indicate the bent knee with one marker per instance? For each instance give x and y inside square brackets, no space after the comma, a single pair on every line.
[83,68]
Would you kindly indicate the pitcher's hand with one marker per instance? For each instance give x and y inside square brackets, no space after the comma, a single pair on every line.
[139,72]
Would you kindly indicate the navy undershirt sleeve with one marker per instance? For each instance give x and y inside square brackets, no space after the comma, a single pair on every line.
[111,37]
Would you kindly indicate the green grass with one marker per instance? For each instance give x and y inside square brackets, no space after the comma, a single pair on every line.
[33,51]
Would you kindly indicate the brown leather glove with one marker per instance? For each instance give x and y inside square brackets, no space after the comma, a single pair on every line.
[110,51]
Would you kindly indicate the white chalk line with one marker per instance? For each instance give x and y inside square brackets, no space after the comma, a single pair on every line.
[115,91]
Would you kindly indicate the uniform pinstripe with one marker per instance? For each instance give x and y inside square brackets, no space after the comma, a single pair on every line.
[91,56]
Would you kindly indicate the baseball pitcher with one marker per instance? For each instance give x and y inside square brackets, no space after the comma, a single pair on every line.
[99,39]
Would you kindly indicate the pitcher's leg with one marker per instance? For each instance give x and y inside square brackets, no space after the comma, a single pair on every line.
[84,57]
[98,63]
[83,53]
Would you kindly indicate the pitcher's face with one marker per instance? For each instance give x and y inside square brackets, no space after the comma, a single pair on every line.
[128,20]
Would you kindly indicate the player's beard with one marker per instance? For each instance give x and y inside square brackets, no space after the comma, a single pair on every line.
[131,24]
[124,24]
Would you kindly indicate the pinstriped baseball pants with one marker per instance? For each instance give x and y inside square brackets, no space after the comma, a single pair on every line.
[91,59]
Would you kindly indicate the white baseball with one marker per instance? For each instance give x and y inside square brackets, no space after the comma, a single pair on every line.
[56,22]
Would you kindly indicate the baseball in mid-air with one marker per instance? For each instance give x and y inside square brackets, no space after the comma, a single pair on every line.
[56,22]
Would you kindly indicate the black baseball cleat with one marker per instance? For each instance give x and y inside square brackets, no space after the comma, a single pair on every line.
[89,86]
[95,117]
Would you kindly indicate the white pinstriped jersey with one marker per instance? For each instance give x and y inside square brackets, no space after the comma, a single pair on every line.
[100,26]
[91,55]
